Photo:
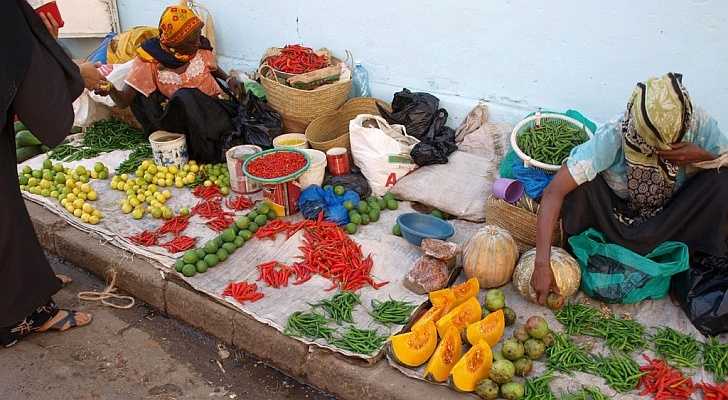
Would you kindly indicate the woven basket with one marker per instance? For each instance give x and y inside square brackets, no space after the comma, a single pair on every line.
[519,222]
[332,130]
[299,107]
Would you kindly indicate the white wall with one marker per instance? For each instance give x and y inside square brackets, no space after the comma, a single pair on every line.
[518,54]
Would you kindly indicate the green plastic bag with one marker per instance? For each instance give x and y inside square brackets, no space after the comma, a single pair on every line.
[613,274]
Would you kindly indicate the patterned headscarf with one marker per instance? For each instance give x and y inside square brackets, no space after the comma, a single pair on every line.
[177,24]
[658,115]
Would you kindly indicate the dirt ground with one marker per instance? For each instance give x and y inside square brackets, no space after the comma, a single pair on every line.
[134,354]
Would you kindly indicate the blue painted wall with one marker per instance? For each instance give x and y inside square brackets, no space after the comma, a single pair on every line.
[517,54]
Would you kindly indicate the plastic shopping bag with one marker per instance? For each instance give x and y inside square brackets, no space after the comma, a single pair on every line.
[613,274]
[381,151]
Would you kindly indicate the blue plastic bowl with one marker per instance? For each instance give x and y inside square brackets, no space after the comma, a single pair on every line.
[415,227]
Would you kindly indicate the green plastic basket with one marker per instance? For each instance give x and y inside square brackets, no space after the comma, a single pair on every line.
[283,179]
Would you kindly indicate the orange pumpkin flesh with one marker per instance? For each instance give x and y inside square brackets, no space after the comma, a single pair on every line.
[489,329]
[432,315]
[472,368]
[444,298]
[460,316]
[415,347]
[466,290]
[448,352]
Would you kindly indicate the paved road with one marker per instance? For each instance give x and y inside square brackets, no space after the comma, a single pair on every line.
[134,354]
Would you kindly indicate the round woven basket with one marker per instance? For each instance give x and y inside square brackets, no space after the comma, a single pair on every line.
[299,107]
[521,223]
[332,130]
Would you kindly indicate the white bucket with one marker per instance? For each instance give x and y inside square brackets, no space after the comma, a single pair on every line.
[315,173]
[236,156]
[291,140]
[169,148]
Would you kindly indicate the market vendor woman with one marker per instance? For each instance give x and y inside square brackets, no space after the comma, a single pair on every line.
[649,177]
[173,85]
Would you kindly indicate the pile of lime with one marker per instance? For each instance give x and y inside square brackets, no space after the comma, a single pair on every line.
[216,174]
[368,211]
[142,197]
[217,250]
[70,187]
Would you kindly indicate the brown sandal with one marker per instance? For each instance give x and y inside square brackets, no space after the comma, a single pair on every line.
[67,322]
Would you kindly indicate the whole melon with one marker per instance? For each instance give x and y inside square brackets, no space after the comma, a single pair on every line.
[565,268]
[490,256]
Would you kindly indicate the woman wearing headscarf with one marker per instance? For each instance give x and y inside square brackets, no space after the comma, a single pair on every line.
[39,83]
[173,85]
[650,176]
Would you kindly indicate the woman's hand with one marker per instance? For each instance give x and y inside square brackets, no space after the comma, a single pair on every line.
[542,280]
[235,86]
[92,78]
[50,23]
[686,153]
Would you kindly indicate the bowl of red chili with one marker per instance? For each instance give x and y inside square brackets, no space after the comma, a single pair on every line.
[276,165]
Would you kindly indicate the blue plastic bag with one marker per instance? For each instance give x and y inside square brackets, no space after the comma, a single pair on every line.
[314,200]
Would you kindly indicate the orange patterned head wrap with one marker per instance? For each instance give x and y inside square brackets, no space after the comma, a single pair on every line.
[177,24]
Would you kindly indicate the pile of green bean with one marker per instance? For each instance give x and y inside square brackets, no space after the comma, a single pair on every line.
[578,319]
[619,371]
[101,137]
[715,359]
[538,388]
[391,311]
[551,141]
[678,349]
[622,335]
[339,308]
[565,356]
[361,341]
[310,325]
[587,393]
[130,165]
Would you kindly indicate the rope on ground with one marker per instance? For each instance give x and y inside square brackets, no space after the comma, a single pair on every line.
[109,293]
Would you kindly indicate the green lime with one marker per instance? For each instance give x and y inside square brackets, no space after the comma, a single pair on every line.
[437,213]
[252,215]
[382,203]
[211,247]
[190,257]
[374,206]
[218,241]
[201,266]
[396,230]
[253,227]
[351,228]
[47,164]
[239,242]
[37,174]
[189,270]
[349,205]
[201,253]
[228,235]
[261,219]
[374,215]
[363,207]
[245,234]
[27,170]
[230,247]
[339,190]
[211,260]
[272,215]
[392,204]
[365,219]
[222,255]
[179,264]
[355,219]
[388,196]
[23,180]
[60,178]
[242,222]
[371,199]
[263,208]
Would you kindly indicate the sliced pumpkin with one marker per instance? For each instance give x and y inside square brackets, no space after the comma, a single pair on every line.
[431,315]
[444,298]
[448,353]
[489,329]
[460,316]
[466,290]
[415,347]
[472,368]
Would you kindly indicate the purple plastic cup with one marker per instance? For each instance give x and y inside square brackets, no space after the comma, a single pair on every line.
[508,189]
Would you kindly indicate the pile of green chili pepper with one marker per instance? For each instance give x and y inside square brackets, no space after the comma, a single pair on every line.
[538,388]
[362,341]
[391,311]
[676,348]
[578,318]
[715,359]
[587,393]
[309,325]
[619,371]
[101,137]
[551,141]
[339,308]
[565,356]
[130,165]
[620,334]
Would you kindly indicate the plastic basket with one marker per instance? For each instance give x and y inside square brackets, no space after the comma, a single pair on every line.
[531,162]
[281,179]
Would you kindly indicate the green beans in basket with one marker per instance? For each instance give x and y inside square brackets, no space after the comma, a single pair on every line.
[340,306]
[676,348]
[391,311]
[361,341]
[552,141]
[308,325]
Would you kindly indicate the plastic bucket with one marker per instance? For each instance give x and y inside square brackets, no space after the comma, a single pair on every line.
[282,193]
[317,170]
[236,157]
[291,140]
[338,161]
[508,189]
[169,148]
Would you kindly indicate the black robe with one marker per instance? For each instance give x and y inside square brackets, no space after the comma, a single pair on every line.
[38,82]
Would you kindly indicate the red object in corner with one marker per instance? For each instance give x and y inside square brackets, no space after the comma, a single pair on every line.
[47,7]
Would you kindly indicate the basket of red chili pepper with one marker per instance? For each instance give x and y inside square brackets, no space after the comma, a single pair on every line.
[277,171]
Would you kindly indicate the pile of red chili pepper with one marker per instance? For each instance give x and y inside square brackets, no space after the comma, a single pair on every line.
[275,227]
[145,238]
[296,59]
[210,208]
[714,392]
[179,244]
[207,192]
[274,274]
[175,226]
[664,382]
[277,164]
[239,203]
[242,292]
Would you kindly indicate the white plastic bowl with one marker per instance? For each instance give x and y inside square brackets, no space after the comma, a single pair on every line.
[291,140]
[317,170]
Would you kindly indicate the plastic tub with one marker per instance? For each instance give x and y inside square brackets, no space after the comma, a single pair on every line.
[169,148]
[509,190]
[283,192]
[338,161]
[236,156]
[416,227]
[317,170]
[291,141]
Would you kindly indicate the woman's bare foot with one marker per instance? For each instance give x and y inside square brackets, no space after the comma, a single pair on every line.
[65,320]
[65,280]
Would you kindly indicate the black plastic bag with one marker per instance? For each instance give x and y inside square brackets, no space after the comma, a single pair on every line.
[255,123]
[702,292]
[616,291]
[354,181]
[436,147]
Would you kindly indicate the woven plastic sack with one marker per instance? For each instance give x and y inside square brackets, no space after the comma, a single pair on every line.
[613,274]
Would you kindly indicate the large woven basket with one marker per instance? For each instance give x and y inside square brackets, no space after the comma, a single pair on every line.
[299,107]
[521,223]
[332,130]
